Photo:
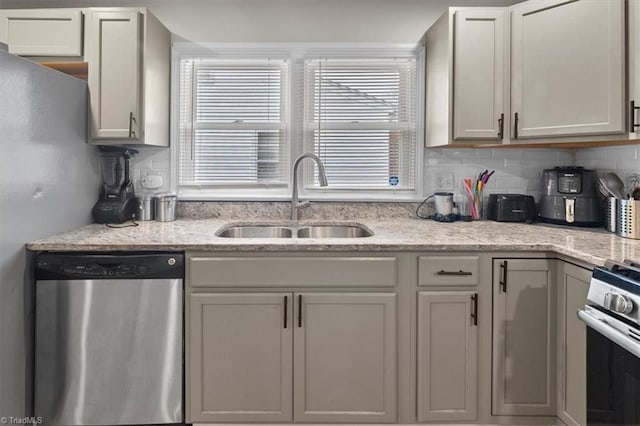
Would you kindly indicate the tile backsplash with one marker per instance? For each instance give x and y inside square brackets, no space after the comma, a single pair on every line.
[155,161]
[518,171]
[623,160]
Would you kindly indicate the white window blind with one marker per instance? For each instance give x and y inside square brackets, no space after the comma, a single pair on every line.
[232,124]
[360,119]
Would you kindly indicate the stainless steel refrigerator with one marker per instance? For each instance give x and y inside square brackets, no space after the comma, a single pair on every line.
[49,180]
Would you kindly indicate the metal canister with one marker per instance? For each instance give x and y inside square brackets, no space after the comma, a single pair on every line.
[145,207]
[165,207]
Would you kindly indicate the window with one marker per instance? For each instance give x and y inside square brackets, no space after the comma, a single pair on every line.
[360,120]
[232,122]
[244,113]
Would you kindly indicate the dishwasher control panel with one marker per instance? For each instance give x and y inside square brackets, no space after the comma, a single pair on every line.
[109,266]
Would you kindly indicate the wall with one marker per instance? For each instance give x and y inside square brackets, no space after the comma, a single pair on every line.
[388,21]
[624,160]
[49,180]
[517,171]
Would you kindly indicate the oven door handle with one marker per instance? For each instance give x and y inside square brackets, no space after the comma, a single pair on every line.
[610,333]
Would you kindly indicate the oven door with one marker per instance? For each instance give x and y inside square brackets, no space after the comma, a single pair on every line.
[613,370]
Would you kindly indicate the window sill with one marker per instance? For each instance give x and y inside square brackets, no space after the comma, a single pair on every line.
[359,198]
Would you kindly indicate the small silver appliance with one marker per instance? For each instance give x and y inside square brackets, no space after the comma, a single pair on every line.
[570,196]
[443,205]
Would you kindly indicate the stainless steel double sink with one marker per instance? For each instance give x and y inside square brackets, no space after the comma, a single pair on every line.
[351,230]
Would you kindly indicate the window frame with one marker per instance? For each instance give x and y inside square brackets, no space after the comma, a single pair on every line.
[295,54]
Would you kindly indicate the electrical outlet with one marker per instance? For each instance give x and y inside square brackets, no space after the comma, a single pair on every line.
[444,181]
[151,181]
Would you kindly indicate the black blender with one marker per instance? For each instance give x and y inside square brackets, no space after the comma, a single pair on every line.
[117,202]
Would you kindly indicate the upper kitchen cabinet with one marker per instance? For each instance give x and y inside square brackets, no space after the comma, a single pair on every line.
[465,71]
[129,56]
[567,68]
[42,32]
[541,71]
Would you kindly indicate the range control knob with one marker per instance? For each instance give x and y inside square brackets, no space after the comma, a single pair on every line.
[618,303]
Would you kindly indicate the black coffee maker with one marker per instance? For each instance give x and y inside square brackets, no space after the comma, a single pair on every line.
[117,202]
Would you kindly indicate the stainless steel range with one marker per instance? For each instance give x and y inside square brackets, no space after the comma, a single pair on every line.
[613,344]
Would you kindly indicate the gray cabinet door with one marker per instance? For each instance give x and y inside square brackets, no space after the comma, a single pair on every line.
[447,356]
[524,337]
[478,73]
[114,55]
[42,32]
[571,52]
[240,357]
[345,357]
[573,286]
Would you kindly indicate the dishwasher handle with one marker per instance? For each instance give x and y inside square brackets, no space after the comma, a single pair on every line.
[97,266]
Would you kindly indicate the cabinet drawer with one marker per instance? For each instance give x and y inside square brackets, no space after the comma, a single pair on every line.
[48,32]
[292,271]
[455,270]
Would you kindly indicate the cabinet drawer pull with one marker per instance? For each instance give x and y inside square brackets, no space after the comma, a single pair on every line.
[501,127]
[286,308]
[515,126]
[632,118]
[474,309]
[132,133]
[503,276]
[299,310]
[457,273]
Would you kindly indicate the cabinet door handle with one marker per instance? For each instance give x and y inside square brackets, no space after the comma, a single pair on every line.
[632,118]
[501,127]
[503,276]
[474,309]
[299,310]
[515,126]
[286,308]
[460,272]
[132,133]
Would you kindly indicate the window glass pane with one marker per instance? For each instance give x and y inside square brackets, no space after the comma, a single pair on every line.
[360,120]
[232,122]
[228,94]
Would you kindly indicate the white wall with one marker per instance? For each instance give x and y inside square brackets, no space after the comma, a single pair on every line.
[390,21]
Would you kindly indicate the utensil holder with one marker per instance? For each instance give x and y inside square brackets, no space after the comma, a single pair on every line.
[628,219]
[610,214]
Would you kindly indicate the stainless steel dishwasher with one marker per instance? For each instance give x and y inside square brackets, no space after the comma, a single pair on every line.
[109,338]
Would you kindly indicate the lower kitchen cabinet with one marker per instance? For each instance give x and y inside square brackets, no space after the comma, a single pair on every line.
[524,337]
[240,357]
[447,356]
[250,353]
[573,286]
[345,358]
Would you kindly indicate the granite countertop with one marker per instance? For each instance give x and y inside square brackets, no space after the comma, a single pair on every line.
[589,245]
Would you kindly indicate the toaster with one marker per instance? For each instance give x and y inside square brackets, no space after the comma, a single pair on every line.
[511,208]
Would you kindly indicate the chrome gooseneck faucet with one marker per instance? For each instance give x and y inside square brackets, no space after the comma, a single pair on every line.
[295,205]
